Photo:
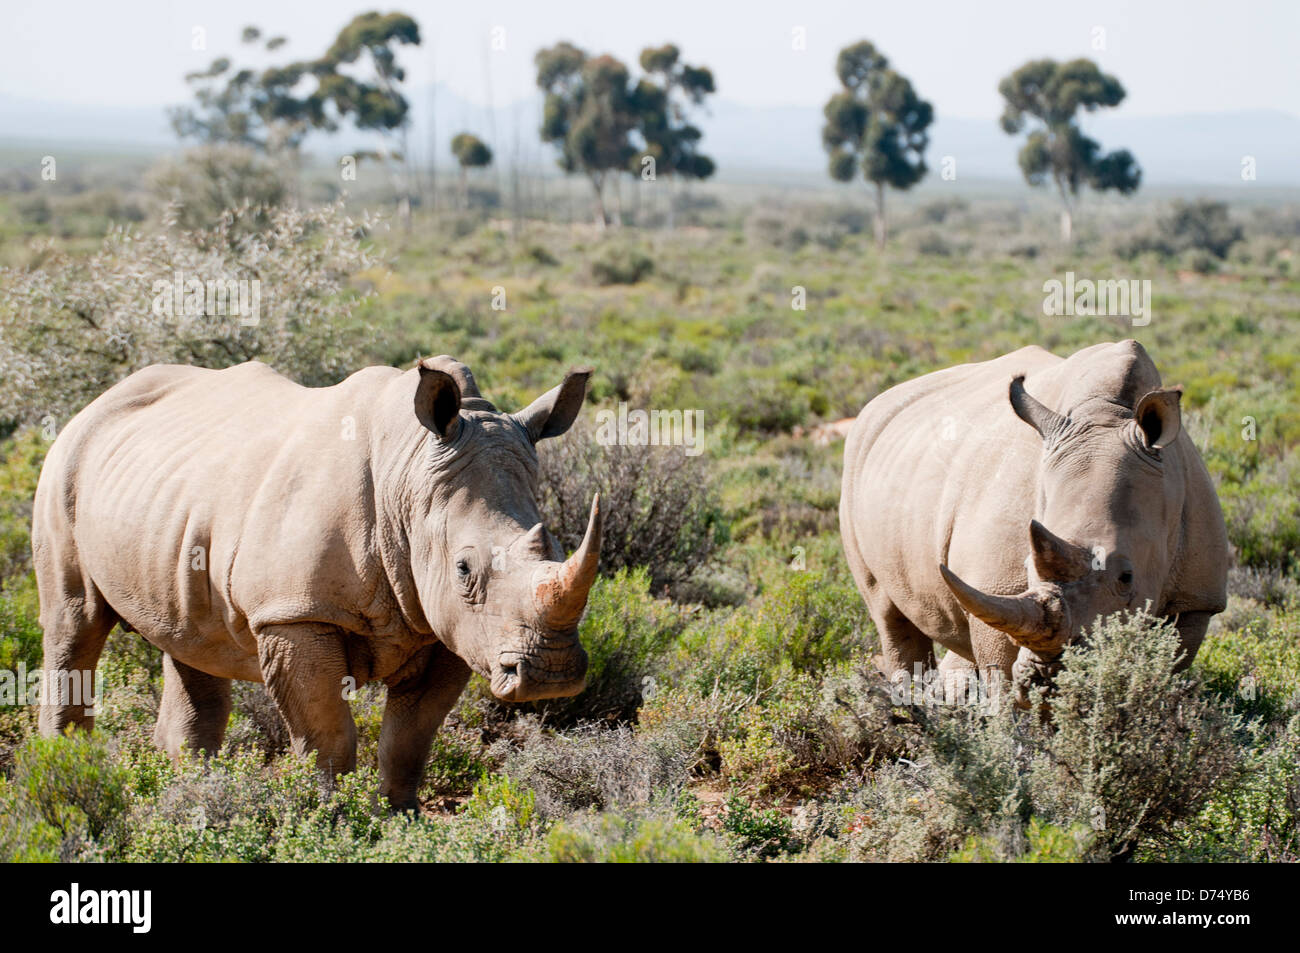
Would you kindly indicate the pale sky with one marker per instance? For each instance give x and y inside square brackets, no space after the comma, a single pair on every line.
[1173,57]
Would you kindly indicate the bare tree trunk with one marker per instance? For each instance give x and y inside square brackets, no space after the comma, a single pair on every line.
[618,201]
[393,169]
[602,217]
[433,145]
[404,207]
[1067,213]
[516,198]
[880,216]
[464,188]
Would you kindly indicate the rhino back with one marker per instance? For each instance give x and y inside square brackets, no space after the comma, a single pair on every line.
[938,469]
[209,503]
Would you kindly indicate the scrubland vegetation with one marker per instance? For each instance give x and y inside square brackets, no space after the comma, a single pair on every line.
[732,709]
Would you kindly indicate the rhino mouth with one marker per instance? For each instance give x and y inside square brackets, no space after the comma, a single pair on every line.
[539,673]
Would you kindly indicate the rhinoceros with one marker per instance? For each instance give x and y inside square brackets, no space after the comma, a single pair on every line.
[999,508]
[313,539]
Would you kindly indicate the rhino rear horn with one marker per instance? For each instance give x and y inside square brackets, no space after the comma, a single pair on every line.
[1025,618]
[1046,421]
[1055,559]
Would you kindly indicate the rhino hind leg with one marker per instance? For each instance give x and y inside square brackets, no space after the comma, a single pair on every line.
[306,672]
[75,621]
[419,697]
[194,710]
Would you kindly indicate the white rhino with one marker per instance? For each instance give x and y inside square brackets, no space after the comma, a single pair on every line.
[999,508]
[385,528]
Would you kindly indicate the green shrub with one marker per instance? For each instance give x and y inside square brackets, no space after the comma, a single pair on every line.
[658,505]
[455,764]
[968,772]
[1255,820]
[1202,225]
[503,803]
[763,833]
[764,405]
[626,632]
[612,838]
[1256,667]
[75,786]
[697,721]
[1046,844]
[1136,745]
[24,836]
[1263,515]
[20,467]
[541,255]
[20,637]
[810,621]
[622,266]
[131,670]
[227,808]
[1131,752]
[201,184]
[72,326]
[600,769]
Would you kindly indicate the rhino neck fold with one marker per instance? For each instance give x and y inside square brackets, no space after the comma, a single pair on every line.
[403,495]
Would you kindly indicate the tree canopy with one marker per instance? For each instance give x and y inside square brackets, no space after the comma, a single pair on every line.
[1051,94]
[604,124]
[662,100]
[876,126]
[271,110]
[470,151]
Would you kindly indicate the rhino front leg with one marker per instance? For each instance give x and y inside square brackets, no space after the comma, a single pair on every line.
[995,658]
[906,653]
[304,668]
[194,710]
[419,697]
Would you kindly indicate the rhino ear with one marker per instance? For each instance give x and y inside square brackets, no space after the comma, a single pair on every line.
[1159,417]
[555,411]
[437,402]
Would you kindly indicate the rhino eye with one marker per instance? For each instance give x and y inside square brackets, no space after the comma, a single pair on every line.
[462,568]
[1126,577]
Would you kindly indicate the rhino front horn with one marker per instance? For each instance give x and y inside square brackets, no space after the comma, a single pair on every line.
[562,587]
[1025,618]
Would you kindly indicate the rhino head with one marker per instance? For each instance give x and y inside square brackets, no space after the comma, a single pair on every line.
[1105,527]
[492,582]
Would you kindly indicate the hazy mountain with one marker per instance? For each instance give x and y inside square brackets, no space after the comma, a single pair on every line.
[746,141]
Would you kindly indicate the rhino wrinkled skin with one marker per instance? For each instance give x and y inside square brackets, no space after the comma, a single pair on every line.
[999,508]
[314,539]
